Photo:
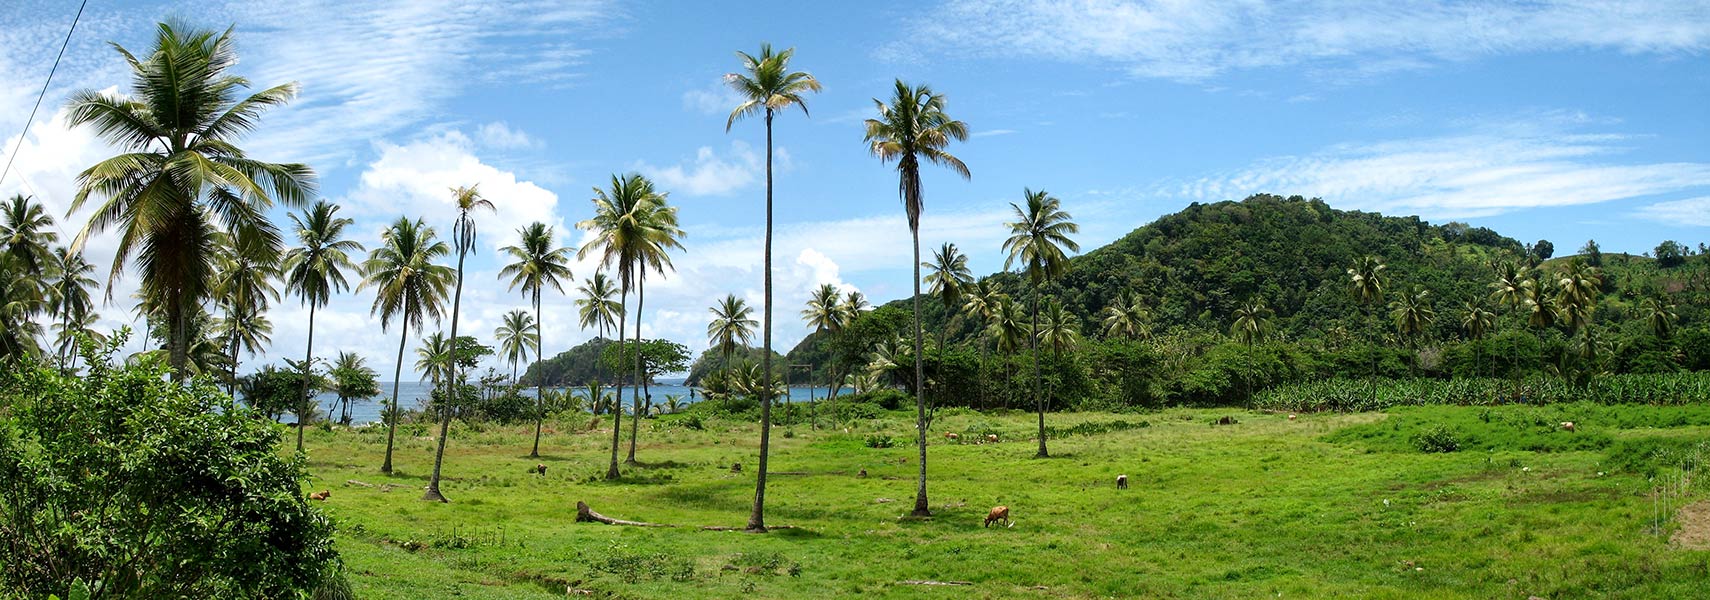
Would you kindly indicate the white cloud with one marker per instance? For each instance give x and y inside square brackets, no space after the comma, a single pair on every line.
[1459,176]
[1195,40]
[713,99]
[1690,211]
[712,175]
[992,132]
[500,136]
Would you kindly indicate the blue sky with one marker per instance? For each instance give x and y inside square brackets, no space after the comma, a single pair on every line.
[1557,120]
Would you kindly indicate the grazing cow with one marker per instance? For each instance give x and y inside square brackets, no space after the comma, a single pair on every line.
[991,437]
[1122,482]
[321,495]
[1291,417]
[736,467]
[540,469]
[1568,425]
[998,513]
[952,436]
[863,473]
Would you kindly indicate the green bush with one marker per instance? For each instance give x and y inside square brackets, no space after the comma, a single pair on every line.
[879,440]
[144,488]
[1436,439]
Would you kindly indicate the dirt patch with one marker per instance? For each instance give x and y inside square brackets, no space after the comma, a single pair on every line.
[1694,533]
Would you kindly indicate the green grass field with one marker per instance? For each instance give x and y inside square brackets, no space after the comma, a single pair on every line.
[1330,505]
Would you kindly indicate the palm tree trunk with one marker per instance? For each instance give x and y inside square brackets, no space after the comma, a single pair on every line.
[303,396]
[1038,378]
[454,390]
[617,409]
[397,377]
[539,397]
[640,377]
[757,518]
[178,342]
[921,509]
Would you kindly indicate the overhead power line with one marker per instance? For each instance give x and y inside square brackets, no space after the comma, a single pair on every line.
[43,94]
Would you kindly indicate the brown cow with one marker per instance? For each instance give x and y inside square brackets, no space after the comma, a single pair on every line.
[321,495]
[991,437]
[540,469]
[952,436]
[998,513]
[1122,482]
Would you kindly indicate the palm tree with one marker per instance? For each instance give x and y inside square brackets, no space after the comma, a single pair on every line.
[1125,318]
[352,379]
[1509,287]
[632,228]
[1059,330]
[67,332]
[982,305]
[1037,239]
[1579,283]
[1659,316]
[1252,324]
[663,220]
[767,86]
[912,127]
[434,360]
[1412,313]
[848,312]
[824,314]
[731,325]
[409,286]
[314,270]
[1365,280]
[518,335]
[1476,321]
[948,279]
[181,177]
[467,200]
[597,309]
[20,299]
[247,329]
[244,290]
[68,299]
[536,264]
[26,233]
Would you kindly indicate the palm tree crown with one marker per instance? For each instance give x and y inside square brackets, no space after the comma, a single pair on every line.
[26,233]
[767,85]
[597,307]
[518,337]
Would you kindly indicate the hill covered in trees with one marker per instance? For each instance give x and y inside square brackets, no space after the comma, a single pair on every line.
[573,367]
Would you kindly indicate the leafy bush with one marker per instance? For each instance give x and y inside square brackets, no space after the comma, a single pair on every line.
[1436,439]
[855,411]
[1094,428]
[1359,395]
[143,488]
[879,440]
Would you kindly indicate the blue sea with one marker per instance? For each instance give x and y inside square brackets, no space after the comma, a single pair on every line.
[412,395]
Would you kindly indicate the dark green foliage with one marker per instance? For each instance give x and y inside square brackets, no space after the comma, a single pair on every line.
[658,357]
[1670,254]
[880,441]
[712,360]
[1530,429]
[1436,439]
[1094,428]
[272,392]
[1354,395]
[573,367]
[141,488]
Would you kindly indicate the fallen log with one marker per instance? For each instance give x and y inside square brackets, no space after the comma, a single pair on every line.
[585,514]
[724,528]
[928,582]
[355,482]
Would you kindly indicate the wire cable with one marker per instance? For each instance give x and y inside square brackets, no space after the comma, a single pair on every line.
[43,94]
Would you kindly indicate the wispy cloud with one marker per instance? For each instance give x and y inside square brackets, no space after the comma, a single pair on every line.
[715,98]
[1690,211]
[992,132]
[500,135]
[1196,40]
[1492,171]
[710,174]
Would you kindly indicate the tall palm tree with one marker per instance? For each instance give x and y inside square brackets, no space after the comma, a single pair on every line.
[825,315]
[912,127]
[1412,313]
[848,312]
[247,329]
[1579,283]
[1252,324]
[1365,281]
[662,219]
[182,177]
[535,265]
[597,309]
[1659,316]
[434,360]
[518,335]
[244,290]
[314,270]
[1476,321]
[409,286]
[68,299]
[1125,318]
[352,379]
[1037,240]
[67,332]
[467,200]
[1009,330]
[20,299]
[1059,330]
[1509,287]
[26,232]
[767,86]
[632,227]
[731,325]
[948,279]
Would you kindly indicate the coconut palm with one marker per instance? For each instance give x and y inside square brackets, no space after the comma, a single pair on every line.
[244,290]
[1539,303]
[1037,240]
[1125,318]
[26,233]
[1059,329]
[1509,287]
[981,305]
[662,219]
[181,176]
[767,86]
[20,299]
[67,332]
[409,287]
[467,200]
[1010,333]
[1579,283]
[314,270]
[1365,281]
[731,325]
[352,379]
[632,227]
[1412,313]
[596,308]
[434,361]
[913,127]
[1659,316]
[1252,324]
[948,279]
[1476,321]
[68,299]
[247,329]
[518,335]
[535,265]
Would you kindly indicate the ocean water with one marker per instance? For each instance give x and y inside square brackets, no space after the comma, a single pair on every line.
[413,394]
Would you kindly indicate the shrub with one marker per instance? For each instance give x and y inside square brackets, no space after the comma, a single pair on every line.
[878,440]
[123,468]
[1436,439]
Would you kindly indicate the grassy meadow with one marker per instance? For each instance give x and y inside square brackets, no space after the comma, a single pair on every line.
[1329,505]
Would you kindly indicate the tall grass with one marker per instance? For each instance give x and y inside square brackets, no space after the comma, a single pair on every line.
[1355,395]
